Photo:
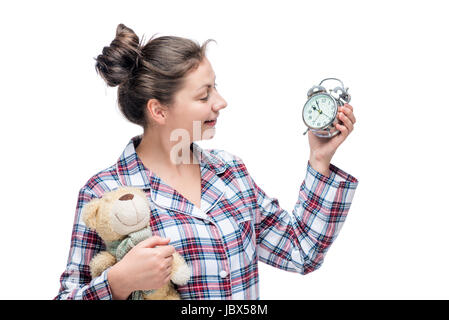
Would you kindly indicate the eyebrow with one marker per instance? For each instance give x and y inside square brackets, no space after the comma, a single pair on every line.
[207,85]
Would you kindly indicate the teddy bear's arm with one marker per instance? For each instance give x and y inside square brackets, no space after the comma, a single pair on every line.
[180,271]
[101,262]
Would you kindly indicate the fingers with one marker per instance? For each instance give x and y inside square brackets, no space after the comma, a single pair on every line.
[344,131]
[167,269]
[349,106]
[164,278]
[167,279]
[168,262]
[153,242]
[347,124]
[348,111]
[346,116]
[346,121]
[166,251]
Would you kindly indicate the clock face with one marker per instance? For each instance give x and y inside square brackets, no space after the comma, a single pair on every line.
[319,111]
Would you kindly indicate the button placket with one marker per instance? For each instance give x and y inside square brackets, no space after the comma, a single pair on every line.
[223,274]
[224,263]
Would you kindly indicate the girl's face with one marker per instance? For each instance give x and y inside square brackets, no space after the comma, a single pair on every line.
[197,102]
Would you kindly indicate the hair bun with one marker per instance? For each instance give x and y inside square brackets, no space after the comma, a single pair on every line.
[118,61]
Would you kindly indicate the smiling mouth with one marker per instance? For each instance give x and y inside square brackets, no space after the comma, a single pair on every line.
[210,122]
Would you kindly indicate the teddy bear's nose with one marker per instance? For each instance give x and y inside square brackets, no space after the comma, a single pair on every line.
[127,196]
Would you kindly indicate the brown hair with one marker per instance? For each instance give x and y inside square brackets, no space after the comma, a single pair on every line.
[154,70]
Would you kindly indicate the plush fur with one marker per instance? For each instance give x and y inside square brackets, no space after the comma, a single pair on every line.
[114,216]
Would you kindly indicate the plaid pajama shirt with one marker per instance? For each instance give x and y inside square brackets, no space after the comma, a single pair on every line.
[237,226]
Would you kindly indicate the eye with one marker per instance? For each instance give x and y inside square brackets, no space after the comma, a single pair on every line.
[207,97]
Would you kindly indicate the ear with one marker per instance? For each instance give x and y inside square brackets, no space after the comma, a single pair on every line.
[89,213]
[156,111]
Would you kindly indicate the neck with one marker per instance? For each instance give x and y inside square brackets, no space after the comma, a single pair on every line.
[157,152]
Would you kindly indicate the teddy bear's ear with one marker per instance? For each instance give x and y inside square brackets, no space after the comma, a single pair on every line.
[89,213]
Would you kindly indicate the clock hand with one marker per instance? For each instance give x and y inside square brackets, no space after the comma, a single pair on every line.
[319,110]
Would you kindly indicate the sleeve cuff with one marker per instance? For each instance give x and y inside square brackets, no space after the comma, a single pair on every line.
[102,287]
[338,178]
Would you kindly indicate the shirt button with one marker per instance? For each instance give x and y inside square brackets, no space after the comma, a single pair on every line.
[296,255]
[223,274]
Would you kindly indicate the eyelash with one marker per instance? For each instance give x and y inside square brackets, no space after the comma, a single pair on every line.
[207,97]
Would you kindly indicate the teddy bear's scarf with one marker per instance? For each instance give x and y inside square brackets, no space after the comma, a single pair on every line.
[119,248]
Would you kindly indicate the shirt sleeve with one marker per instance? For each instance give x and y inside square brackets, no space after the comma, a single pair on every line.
[299,242]
[76,281]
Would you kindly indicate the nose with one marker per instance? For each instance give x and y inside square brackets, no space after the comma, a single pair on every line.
[127,196]
[220,103]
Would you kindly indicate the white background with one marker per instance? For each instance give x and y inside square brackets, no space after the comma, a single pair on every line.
[60,124]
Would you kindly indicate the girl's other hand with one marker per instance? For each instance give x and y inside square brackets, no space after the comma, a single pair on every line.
[146,266]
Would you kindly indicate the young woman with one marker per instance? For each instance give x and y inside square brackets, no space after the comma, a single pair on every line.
[204,203]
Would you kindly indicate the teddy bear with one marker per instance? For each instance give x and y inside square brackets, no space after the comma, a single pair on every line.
[121,218]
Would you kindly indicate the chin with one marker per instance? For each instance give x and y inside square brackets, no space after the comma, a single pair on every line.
[208,134]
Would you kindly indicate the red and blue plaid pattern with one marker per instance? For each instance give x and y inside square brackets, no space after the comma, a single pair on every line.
[237,226]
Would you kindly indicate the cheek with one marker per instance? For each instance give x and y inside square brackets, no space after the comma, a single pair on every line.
[104,229]
[189,119]
[192,116]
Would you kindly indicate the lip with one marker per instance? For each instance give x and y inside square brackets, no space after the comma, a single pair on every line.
[211,124]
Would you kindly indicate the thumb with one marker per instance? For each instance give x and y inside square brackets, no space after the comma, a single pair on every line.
[151,242]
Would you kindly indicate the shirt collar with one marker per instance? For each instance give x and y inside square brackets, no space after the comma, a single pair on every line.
[132,172]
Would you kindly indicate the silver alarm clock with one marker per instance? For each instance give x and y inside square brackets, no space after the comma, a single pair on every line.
[320,110]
